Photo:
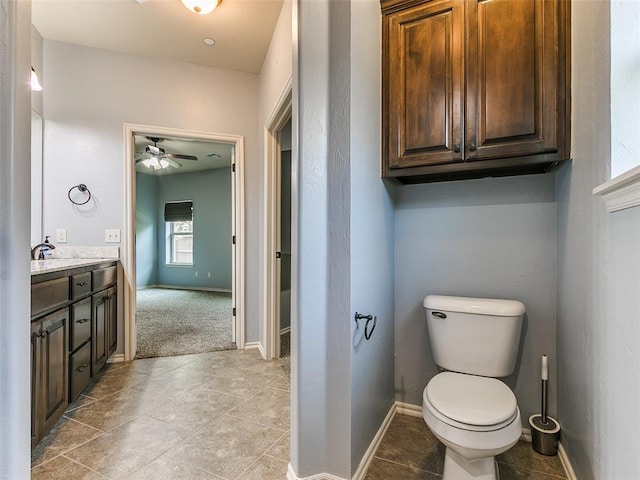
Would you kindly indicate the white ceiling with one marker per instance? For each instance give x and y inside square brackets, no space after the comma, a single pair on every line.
[197,148]
[164,29]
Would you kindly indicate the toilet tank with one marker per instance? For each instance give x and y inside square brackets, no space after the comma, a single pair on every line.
[479,336]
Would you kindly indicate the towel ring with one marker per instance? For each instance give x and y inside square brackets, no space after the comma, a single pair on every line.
[81,188]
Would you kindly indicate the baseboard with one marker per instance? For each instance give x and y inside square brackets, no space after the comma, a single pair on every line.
[116,358]
[566,464]
[258,345]
[285,330]
[361,472]
[319,476]
[179,287]
[408,409]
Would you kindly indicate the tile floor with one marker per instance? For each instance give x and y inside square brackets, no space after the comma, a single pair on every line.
[217,416]
[210,416]
[409,451]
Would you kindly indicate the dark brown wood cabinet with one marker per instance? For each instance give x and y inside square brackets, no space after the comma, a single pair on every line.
[104,317]
[74,323]
[49,371]
[474,88]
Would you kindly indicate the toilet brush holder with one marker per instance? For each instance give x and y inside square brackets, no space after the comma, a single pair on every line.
[544,436]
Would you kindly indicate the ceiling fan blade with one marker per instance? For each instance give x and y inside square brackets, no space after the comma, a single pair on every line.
[180,156]
[171,161]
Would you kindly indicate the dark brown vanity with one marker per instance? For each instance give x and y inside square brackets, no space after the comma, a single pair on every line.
[74,318]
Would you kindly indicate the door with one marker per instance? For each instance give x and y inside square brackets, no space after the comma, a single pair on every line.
[55,373]
[100,339]
[112,320]
[511,78]
[36,382]
[424,103]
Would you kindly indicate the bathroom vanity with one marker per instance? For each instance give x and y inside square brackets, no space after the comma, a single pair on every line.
[74,318]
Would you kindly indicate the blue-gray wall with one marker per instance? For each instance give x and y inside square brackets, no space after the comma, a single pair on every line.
[372,239]
[492,238]
[210,191]
[598,276]
[146,229]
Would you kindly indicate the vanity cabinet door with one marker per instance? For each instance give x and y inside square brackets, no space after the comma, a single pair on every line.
[36,382]
[112,320]
[54,376]
[100,338]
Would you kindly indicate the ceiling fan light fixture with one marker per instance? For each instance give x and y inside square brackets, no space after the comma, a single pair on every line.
[164,163]
[201,7]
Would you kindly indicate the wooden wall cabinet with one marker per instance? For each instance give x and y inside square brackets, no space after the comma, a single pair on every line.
[474,88]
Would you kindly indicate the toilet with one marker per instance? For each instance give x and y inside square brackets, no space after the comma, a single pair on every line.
[474,341]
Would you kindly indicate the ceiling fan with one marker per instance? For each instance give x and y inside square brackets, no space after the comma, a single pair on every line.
[157,158]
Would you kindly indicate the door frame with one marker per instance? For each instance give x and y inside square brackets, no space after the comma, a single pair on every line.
[129,247]
[280,115]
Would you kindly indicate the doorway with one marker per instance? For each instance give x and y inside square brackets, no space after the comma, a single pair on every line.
[183,246]
[277,201]
[235,144]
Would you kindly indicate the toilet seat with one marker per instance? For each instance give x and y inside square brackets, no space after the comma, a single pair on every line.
[470,402]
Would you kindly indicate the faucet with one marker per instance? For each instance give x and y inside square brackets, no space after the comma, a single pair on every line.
[42,249]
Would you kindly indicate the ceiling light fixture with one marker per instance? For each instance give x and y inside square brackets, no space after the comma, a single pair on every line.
[35,84]
[201,7]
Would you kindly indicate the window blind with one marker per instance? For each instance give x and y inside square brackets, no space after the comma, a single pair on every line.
[178,211]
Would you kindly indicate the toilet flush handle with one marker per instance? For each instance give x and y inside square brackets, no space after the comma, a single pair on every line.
[439,314]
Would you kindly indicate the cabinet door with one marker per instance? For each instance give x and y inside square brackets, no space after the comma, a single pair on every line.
[36,382]
[55,373]
[512,78]
[113,320]
[100,336]
[423,85]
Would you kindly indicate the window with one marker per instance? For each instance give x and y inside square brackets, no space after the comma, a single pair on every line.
[179,220]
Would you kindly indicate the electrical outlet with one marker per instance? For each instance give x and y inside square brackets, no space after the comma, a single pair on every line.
[196,274]
[112,235]
[61,235]
[209,274]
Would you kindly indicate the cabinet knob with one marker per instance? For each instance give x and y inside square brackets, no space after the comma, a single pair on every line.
[473,147]
[456,148]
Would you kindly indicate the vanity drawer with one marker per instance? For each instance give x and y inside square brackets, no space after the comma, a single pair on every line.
[80,323]
[103,277]
[79,371]
[80,285]
[49,294]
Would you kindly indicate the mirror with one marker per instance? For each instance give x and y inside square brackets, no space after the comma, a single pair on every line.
[36,178]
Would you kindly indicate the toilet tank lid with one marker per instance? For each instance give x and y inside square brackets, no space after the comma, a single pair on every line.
[479,306]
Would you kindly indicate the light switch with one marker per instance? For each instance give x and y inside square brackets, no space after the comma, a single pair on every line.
[112,235]
[61,235]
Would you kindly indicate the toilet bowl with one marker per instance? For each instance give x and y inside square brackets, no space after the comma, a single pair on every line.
[475,415]
[476,418]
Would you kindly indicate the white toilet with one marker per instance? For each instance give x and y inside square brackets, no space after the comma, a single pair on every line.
[475,415]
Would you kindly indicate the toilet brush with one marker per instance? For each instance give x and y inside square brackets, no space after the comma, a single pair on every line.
[545,430]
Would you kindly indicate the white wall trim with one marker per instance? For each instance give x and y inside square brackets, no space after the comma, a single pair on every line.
[408,409]
[319,476]
[278,117]
[129,248]
[116,358]
[180,287]
[564,459]
[362,469]
[622,191]
[258,345]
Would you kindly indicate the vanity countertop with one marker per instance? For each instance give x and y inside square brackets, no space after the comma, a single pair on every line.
[57,264]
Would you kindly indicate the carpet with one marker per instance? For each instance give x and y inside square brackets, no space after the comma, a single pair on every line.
[179,322]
